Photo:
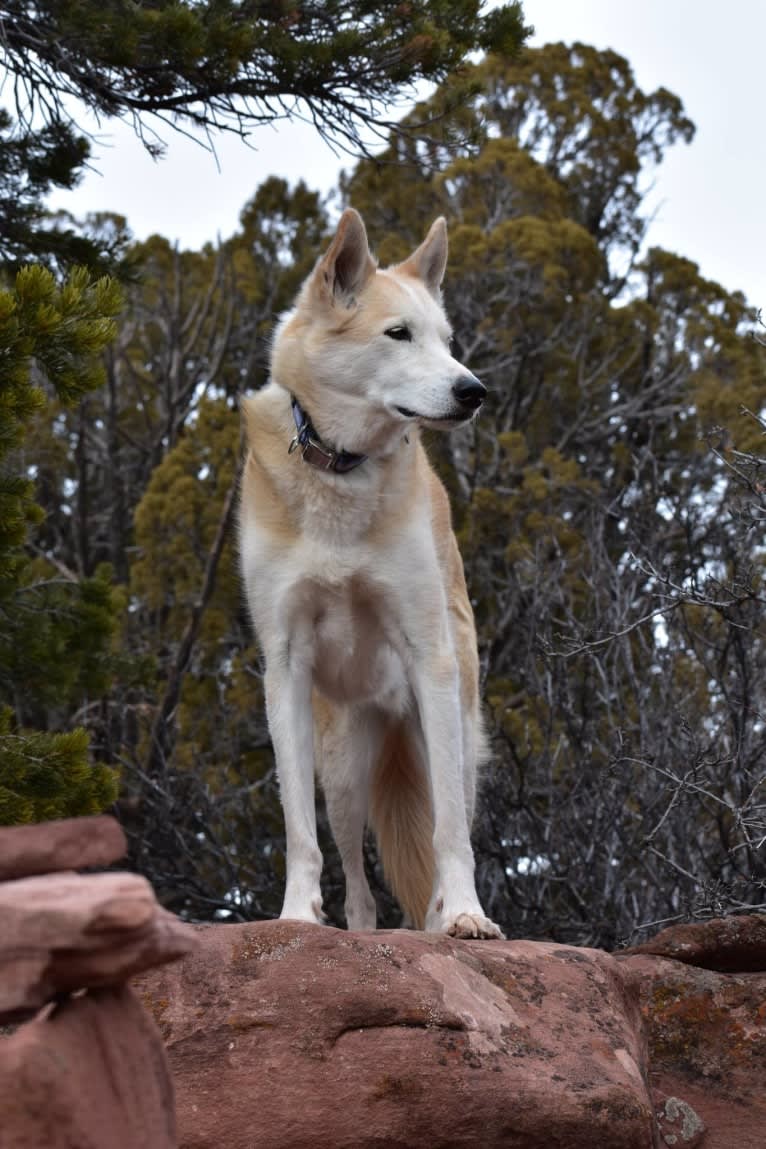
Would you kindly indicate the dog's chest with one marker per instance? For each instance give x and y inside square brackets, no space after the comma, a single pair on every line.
[352,634]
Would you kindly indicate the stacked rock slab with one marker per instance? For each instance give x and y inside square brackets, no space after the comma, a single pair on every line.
[86,1067]
[702,988]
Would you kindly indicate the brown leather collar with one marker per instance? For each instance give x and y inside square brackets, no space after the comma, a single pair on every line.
[314,451]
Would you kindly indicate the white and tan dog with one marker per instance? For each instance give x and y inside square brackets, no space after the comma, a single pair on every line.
[356,585]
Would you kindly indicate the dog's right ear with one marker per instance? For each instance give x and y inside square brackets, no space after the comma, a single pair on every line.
[347,266]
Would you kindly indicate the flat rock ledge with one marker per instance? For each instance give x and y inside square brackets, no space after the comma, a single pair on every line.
[283,1035]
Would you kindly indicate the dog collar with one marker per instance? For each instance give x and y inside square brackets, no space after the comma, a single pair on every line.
[314,451]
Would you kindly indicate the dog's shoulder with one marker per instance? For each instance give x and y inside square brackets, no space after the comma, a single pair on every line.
[267,435]
[266,419]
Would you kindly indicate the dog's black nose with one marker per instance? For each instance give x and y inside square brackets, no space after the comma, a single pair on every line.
[469,391]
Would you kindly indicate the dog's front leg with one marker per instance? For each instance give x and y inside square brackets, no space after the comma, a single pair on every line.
[288,705]
[455,908]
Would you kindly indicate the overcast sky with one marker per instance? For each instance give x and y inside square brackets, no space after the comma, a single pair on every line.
[708,196]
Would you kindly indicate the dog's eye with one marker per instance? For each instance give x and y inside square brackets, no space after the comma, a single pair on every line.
[403,334]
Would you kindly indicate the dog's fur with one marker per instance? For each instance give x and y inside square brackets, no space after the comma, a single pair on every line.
[357,592]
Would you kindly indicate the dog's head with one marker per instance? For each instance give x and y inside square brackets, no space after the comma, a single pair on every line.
[372,345]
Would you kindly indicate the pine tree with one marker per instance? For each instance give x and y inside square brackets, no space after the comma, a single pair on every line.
[56,630]
[228,65]
[217,65]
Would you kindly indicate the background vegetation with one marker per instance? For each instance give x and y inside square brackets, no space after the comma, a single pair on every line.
[609,503]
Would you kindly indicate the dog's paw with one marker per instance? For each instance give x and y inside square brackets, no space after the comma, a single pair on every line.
[472,926]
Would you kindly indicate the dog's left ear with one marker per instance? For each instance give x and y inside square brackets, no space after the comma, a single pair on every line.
[429,261]
[346,267]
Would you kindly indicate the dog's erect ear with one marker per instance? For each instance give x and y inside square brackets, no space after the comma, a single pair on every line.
[429,260]
[346,267]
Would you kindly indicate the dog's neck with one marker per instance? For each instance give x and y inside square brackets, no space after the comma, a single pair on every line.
[316,453]
[341,438]
[338,509]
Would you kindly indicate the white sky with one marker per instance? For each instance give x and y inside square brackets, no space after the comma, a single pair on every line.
[708,196]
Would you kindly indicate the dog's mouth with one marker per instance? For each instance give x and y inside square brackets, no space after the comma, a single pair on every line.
[457,416]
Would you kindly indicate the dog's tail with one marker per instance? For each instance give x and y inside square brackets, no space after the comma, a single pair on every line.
[401,816]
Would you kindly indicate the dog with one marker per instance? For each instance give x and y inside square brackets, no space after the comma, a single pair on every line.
[356,587]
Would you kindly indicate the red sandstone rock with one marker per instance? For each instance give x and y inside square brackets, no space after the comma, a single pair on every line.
[731,945]
[90,1074]
[707,1050]
[67,931]
[283,1036]
[68,844]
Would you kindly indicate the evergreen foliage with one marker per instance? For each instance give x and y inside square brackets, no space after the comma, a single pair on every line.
[233,64]
[45,776]
[210,65]
[57,331]
[56,631]
[30,166]
[34,161]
